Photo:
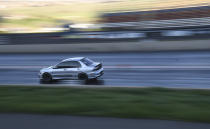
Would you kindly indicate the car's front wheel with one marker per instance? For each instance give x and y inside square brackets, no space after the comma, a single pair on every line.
[46,77]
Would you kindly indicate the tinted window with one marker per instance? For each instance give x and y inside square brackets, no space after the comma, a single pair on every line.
[68,64]
[87,61]
[74,64]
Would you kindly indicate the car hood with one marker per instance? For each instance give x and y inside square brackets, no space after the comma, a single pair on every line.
[48,68]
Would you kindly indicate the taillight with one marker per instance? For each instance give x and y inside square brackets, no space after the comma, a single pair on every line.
[98,67]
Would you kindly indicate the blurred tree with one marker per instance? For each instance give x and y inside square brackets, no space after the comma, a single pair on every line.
[0,19]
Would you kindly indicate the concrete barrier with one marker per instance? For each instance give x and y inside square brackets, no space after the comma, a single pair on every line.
[108,47]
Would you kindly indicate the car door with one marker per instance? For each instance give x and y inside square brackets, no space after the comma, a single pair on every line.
[59,71]
[66,70]
[72,71]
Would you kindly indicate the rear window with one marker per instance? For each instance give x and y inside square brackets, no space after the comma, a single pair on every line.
[87,61]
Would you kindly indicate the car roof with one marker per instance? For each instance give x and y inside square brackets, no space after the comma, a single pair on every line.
[74,59]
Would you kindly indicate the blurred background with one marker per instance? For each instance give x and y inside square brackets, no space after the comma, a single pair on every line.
[161,42]
[141,43]
[102,20]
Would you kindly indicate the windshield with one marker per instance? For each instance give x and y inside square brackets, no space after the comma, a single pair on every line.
[87,61]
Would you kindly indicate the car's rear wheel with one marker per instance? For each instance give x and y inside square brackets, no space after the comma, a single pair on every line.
[46,77]
[83,76]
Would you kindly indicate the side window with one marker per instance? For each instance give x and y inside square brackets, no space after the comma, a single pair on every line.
[74,64]
[68,64]
[62,65]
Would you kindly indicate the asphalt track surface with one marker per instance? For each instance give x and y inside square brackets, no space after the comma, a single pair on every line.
[154,69]
[26,121]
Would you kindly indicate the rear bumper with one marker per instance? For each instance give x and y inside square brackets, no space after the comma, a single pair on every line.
[96,74]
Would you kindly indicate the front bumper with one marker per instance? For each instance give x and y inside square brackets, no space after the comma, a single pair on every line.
[40,76]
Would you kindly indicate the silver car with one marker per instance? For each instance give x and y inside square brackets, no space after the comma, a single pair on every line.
[73,68]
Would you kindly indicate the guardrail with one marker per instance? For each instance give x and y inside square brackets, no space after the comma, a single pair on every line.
[103,37]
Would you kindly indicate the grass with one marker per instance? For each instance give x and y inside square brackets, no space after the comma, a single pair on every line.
[156,103]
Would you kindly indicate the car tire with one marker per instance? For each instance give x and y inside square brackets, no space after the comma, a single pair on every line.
[83,76]
[46,77]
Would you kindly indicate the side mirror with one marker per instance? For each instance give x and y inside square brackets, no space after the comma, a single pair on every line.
[54,67]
